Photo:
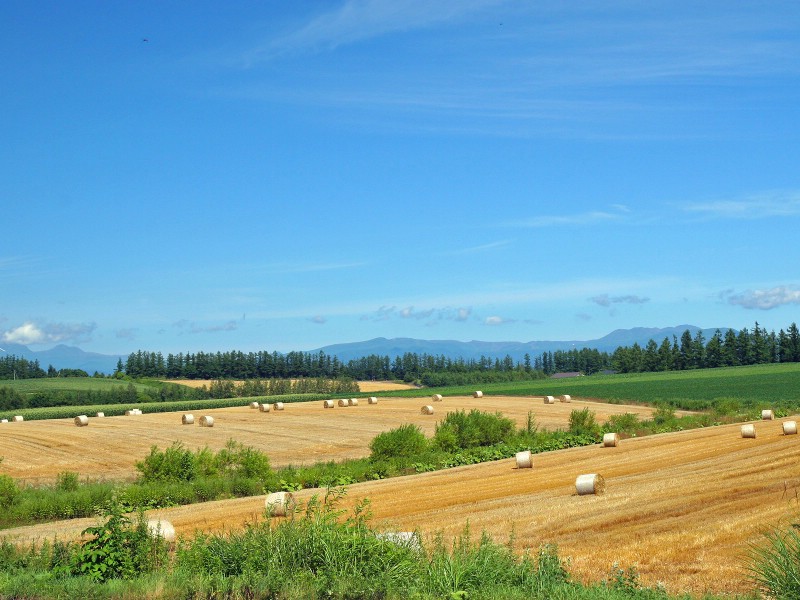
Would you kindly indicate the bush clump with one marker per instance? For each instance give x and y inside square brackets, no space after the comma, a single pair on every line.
[460,430]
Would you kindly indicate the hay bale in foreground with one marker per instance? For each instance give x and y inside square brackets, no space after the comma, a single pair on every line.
[353,402]
[524,459]
[206,421]
[18,419]
[610,440]
[565,398]
[767,415]
[255,405]
[549,400]
[427,410]
[372,400]
[592,483]
[187,419]
[344,402]
[749,431]
[81,421]
[101,415]
[477,394]
[328,404]
[278,406]
[436,397]
[789,427]
[161,528]
[264,407]
[279,504]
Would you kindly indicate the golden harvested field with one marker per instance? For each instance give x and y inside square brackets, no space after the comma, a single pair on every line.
[304,433]
[681,507]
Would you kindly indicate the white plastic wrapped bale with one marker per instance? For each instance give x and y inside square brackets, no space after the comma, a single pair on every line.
[81,421]
[264,407]
[477,394]
[344,402]
[592,483]
[328,404]
[255,405]
[749,431]
[549,400]
[162,528]
[372,400]
[278,406]
[610,440]
[436,397]
[280,504]
[187,419]
[565,398]
[524,459]
[18,419]
[789,427]
[427,410]
[767,415]
[206,421]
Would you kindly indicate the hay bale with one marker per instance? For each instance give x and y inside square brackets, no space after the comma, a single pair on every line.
[477,394]
[610,440]
[18,419]
[133,412]
[524,459]
[789,427]
[749,431]
[280,504]
[278,406]
[436,397]
[206,421]
[3,420]
[353,401]
[565,398]
[372,400]
[767,415]
[187,419]
[549,400]
[328,404]
[427,410]
[100,415]
[160,528]
[344,402]
[264,407]
[255,405]
[592,483]
[81,421]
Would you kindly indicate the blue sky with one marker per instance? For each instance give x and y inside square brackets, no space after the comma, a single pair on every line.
[284,175]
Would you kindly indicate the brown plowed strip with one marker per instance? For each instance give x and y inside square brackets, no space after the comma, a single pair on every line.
[303,433]
[681,507]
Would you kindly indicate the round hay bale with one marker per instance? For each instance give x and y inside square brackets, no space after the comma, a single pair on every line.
[353,401]
[549,400]
[477,394]
[565,398]
[187,419]
[3,420]
[344,402]
[18,419]
[610,440]
[767,415]
[255,405]
[160,528]
[81,421]
[427,410]
[100,415]
[280,504]
[372,400]
[206,421]
[278,406]
[265,407]
[436,397]
[789,427]
[328,404]
[524,459]
[749,431]
[592,483]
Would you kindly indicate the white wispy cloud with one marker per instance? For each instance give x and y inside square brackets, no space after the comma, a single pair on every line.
[318,320]
[479,249]
[357,20]
[310,267]
[31,332]
[764,299]
[447,313]
[758,206]
[584,218]
[606,300]
[186,326]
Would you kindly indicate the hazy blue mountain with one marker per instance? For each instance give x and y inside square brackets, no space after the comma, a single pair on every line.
[517,350]
[66,357]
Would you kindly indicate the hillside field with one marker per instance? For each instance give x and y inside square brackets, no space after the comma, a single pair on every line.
[683,508]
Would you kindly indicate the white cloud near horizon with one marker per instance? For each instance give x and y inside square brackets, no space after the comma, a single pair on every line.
[186,326]
[35,333]
[757,206]
[781,295]
[606,300]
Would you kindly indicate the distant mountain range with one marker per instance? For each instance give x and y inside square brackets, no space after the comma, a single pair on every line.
[71,357]
[517,350]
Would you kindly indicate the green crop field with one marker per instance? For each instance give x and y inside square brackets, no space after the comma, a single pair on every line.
[61,384]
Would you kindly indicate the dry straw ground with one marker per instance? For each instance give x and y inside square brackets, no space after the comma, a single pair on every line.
[303,433]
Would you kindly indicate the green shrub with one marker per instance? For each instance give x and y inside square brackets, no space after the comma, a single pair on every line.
[8,490]
[67,481]
[775,566]
[404,442]
[627,422]
[462,430]
[583,422]
[176,463]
